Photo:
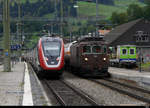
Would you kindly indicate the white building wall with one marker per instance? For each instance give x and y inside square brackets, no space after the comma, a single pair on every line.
[145,53]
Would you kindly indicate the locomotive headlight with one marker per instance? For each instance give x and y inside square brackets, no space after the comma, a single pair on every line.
[86,59]
[104,59]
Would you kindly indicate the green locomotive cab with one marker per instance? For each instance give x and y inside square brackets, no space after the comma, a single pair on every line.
[123,55]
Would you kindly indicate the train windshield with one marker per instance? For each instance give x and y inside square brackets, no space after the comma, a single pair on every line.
[51,48]
[104,49]
[92,49]
[96,49]
[86,49]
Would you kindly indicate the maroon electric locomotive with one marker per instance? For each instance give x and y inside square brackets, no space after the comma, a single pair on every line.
[88,56]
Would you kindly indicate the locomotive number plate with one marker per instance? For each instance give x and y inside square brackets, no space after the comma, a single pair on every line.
[95,56]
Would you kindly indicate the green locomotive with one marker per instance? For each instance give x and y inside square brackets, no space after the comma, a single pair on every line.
[123,55]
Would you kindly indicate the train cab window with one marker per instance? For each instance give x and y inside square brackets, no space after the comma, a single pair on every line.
[104,49]
[51,48]
[131,51]
[86,49]
[124,51]
[96,49]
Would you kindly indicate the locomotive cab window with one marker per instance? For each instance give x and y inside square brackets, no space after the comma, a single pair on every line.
[96,49]
[86,49]
[132,51]
[104,49]
[124,51]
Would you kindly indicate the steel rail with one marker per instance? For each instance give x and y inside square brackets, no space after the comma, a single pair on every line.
[129,86]
[77,91]
[53,91]
[81,93]
[58,97]
[122,91]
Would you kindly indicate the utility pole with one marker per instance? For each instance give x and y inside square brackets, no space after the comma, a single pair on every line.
[55,26]
[19,29]
[140,70]
[61,12]
[96,17]
[56,9]
[6,33]
[70,27]
[76,6]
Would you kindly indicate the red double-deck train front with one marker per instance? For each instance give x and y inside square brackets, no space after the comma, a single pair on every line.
[51,54]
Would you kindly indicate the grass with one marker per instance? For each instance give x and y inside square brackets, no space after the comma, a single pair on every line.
[126,3]
[146,65]
[89,9]
[50,15]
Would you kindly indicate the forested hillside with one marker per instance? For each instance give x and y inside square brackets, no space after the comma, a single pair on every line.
[51,8]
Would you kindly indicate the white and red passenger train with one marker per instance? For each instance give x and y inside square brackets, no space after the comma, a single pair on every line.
[47,56]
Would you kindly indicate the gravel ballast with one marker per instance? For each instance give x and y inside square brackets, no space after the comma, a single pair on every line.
[103,95]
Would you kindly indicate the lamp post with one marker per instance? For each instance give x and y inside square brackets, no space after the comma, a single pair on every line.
[6,33]
[76,6]
[61,12]
[70,27]
[19,29]
[139,36]
[96,17]
[140,60]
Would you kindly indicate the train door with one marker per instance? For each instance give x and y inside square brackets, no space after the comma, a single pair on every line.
[112,53]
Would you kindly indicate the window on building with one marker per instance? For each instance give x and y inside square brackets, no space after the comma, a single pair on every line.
[142,36]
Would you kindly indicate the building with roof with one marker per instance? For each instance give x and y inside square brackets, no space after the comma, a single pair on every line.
[136,32]
[103,32]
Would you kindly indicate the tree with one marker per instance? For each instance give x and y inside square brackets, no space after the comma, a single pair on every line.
[123,18]
[146,10]
[119,18]
[147,2]
[114,18]
[134,11]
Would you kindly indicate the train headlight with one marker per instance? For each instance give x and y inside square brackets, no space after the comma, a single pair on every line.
[86,59]
[46,58]
[104,59]
[58,58]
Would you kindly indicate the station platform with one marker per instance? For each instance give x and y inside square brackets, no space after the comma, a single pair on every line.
[17,88]
[142,78]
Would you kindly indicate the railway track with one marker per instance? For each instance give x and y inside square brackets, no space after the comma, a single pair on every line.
[68,95]
[132,91]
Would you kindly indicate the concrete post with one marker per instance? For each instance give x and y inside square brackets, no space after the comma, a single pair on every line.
[61,12]
[96,17]
[19,29]
[6,33]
